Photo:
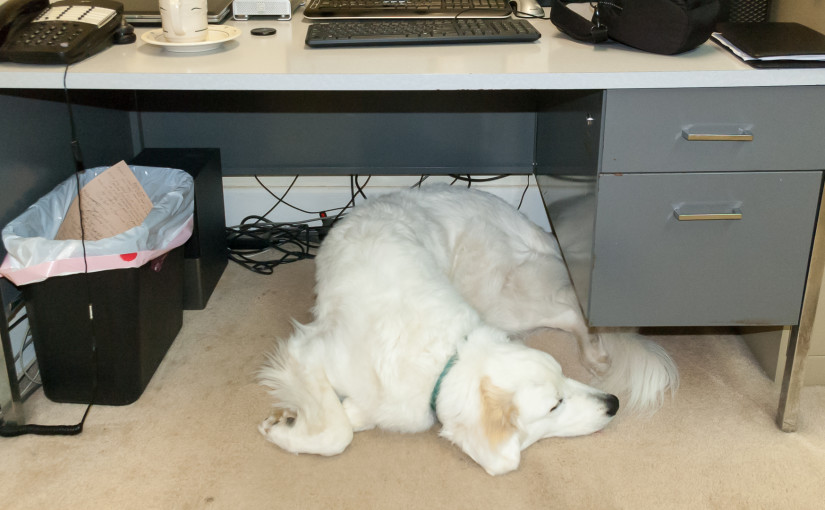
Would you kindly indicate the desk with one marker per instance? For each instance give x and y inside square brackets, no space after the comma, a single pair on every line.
[555,107]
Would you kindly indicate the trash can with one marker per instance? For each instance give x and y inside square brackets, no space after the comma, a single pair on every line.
[102,322]
[107,355]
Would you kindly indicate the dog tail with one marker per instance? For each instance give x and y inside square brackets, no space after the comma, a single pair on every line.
[315,420]
[640,370]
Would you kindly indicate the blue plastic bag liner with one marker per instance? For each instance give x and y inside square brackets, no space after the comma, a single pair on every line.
[34,255]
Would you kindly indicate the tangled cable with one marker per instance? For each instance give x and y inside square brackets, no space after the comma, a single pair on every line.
[256,235]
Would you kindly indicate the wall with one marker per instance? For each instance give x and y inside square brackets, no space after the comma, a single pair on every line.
[244,196]
[807,12]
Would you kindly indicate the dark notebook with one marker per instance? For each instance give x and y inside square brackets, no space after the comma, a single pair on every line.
[773,44]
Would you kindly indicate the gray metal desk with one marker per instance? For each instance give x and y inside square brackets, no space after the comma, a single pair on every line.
[273,106]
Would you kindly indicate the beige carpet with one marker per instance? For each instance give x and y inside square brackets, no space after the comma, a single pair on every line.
[191,442]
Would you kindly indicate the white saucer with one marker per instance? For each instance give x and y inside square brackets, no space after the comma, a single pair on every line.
[216,35]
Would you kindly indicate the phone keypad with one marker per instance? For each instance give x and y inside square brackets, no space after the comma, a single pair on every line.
[51,34]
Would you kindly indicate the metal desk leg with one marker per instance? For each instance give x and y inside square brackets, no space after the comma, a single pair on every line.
[11,408]
[787,415]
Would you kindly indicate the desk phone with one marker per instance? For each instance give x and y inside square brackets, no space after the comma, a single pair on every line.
[34,32]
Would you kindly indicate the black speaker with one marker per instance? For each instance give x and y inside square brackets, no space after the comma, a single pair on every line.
[744,11]
[205,252]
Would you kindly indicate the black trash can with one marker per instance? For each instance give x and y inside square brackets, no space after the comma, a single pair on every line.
[109,358]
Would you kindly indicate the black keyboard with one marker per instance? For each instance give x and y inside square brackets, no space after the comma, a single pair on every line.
[419,31]
[316,9]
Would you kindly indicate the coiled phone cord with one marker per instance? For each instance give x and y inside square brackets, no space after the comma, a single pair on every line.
[14,430]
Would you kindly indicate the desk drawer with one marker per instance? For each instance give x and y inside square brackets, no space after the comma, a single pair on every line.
[768,128]
[741,257]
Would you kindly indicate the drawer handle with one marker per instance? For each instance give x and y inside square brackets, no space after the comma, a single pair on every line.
[742,135]
[734,214]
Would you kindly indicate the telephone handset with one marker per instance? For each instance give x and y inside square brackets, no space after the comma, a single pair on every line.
[34,32]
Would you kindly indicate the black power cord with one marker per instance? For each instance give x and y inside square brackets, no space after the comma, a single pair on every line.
[257,235]
[248,242]
[8,430]
[469,179]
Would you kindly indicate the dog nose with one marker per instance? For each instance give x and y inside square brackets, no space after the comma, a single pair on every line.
[612,403]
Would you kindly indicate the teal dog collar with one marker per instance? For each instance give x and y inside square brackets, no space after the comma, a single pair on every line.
[437,388]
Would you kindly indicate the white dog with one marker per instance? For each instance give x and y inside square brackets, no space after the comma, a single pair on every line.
[418,296]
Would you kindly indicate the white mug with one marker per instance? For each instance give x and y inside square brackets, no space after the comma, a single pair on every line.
[184,21]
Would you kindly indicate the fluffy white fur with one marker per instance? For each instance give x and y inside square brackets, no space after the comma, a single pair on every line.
[410,279]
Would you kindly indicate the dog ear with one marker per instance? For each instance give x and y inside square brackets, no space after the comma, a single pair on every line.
[495,442]
[498,413]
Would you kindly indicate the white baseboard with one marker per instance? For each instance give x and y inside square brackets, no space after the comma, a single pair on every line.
[244,196]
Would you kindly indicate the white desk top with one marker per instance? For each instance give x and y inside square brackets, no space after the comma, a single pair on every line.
[283,62]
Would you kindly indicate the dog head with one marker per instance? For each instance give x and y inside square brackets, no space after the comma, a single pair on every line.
[500,397]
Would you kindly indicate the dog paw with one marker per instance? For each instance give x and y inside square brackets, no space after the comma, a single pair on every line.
[284,417]
[264,427]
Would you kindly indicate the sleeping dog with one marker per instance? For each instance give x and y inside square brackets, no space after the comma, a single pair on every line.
[421,297]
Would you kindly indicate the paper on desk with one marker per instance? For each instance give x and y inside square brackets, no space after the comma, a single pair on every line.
[718,37]
[113,202]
